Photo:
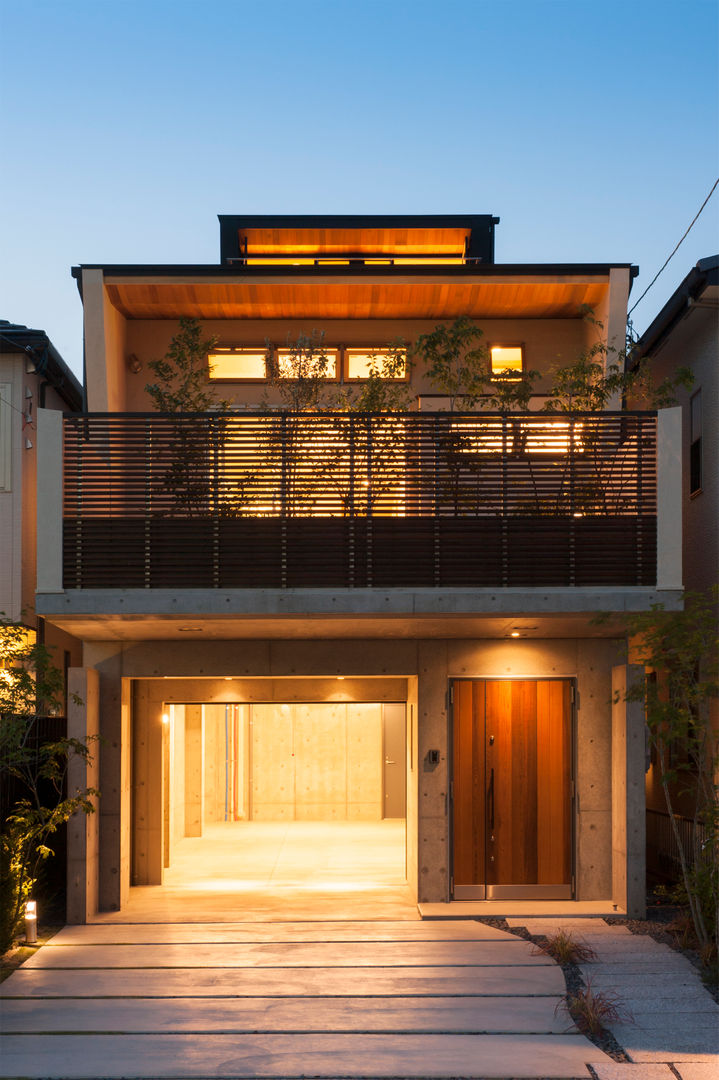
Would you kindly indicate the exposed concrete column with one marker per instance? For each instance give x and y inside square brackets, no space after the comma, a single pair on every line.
[83,830]
[628,808]
[194,770]
[49,501]
[669,498]
[148,786]
[433,824]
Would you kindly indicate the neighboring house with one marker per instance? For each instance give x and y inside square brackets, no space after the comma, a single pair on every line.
[685,333]
[33,376]
[327,586]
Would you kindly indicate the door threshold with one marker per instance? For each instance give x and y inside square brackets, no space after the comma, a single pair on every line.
[575,909]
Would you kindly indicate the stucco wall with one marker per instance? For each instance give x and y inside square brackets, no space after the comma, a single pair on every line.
[547,342]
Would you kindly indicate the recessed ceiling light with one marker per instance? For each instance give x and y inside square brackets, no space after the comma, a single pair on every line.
[228,678]
[189,629]
[515,633]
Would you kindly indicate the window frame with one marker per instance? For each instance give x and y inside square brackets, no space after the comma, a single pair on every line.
[507,345]
[237,350]
[367,349]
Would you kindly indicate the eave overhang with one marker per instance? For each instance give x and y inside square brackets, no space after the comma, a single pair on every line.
[355,292]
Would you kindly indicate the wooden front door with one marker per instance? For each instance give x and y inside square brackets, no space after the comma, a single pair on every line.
[512,788]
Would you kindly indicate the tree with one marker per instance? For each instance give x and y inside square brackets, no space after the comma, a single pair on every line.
[300,375]
[30,687]
[680,651]
[182,373]
[603,373]
[455,360]
[182,387]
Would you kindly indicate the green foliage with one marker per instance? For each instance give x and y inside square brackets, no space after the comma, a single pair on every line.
[181,375]
[301,378]
[603,373]
[385,389]
[30,687]
[680,650]
[455,361]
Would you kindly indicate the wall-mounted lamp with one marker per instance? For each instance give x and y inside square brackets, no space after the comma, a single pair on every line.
[134,364]
[31,922]
[28,444]
[165,718]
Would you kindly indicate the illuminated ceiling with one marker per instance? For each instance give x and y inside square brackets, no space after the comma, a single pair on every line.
[320,295]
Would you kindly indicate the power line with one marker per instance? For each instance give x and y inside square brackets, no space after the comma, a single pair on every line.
[716,182]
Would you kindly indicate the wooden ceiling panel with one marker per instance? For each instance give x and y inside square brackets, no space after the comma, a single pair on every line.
[352,299]
[299,241]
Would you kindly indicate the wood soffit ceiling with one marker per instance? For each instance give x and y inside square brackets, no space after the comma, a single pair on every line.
[361,297]
[392,241]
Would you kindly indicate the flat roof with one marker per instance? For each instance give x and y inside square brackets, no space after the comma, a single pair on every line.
[355,292]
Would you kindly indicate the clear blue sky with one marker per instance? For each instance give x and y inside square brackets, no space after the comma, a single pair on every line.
[591,129]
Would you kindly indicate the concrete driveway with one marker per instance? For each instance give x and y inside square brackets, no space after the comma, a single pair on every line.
[353,999]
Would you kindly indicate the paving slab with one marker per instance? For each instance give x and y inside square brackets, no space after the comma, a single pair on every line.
[617,1070]
[167,933]
[285,982]
[659,1038]
[697,1070]
[107,1057]
[292,954]
[471,1015]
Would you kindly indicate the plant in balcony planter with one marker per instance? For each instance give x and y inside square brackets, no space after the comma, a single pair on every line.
[195,445]
[35,771]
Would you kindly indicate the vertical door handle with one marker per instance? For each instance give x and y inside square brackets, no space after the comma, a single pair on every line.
[490,799]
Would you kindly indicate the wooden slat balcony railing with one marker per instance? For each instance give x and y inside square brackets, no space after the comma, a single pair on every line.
[281,500]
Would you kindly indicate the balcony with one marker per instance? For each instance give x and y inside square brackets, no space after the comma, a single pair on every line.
[355,501]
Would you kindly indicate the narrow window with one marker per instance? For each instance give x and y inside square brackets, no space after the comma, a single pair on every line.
[388,363]
[237,364]
[507,360]
[695,443]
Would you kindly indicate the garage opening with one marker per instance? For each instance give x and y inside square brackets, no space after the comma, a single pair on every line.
[279,805]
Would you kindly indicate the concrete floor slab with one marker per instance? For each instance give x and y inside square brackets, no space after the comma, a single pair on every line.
[697,1070]
[285,982]
[208,933]
[470,1015]
[101,1057]
[356,954]
[617,1070]
[458,909]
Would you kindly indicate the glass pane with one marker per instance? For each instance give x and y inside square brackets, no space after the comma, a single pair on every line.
[237,365]
[387,364]
[506,358]
[308,364]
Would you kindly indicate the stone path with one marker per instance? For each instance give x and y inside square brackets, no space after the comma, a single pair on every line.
[361,999]
[675,1021]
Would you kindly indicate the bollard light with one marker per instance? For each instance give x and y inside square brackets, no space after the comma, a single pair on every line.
[31,922]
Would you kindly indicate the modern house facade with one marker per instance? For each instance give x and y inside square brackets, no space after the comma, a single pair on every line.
[353,616]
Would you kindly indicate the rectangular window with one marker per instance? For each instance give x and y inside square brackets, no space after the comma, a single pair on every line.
[310,364]
[229,364]
[506,360]
[389,363]
[695,443]
[5,437]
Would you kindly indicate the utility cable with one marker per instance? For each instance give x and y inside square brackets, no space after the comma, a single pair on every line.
[716,182]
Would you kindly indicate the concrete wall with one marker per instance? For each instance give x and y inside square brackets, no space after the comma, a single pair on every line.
[83,830]
[375,670]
